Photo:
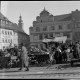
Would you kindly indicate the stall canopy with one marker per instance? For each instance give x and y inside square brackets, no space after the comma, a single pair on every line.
[60,39]
[56,39]
[46,40]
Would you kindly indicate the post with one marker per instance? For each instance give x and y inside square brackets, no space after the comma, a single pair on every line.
[0,6]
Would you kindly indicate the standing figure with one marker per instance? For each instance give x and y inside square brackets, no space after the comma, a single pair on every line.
[50,56]
[24,58]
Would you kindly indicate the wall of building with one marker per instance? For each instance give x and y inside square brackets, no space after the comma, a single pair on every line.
[6,37]
[46,27]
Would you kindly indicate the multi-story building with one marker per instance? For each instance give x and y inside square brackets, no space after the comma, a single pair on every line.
[11,34]
[7,36]
[49,26]
[22,36]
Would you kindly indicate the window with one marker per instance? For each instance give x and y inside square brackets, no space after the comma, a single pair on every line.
[6,40]
[51,35]
[45,35]
[2,23]
[3,40]
[31,28]
[41,45]
[5,32]
[11,40]
[44,28]
[2,31]
[67,34]
[52,27]
[60,27]
[6,22]
[68,26]
[57,34]
[40,37]
[41,21]
[77,34]
[37,29]
[9,24]
[10,33]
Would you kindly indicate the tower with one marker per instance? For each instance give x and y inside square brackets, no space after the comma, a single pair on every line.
[20,22]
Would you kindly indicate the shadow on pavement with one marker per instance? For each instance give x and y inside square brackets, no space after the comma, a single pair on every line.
[8,71]
[68,66]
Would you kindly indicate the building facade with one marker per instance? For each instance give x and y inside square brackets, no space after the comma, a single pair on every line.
[7,35]
[49,26]
[12,34]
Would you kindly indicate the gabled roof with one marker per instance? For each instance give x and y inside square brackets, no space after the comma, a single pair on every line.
[65,17]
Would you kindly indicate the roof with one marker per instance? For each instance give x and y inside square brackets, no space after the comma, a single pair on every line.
[64,17]
[13,26]
[3,17]
[16,28]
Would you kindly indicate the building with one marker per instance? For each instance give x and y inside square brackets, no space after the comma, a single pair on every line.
[7,33]
[22,36]
[49,26]
[11,34]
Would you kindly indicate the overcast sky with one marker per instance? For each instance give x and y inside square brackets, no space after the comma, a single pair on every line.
[29,10]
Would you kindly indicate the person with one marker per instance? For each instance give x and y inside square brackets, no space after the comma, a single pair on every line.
[24,58]
[16,50]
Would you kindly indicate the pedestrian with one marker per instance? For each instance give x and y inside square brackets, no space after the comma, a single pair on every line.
[24,58]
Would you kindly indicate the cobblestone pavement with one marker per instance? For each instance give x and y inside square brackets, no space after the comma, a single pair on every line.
[42,72]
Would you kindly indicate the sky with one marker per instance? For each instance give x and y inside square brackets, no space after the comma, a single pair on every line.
[29,10]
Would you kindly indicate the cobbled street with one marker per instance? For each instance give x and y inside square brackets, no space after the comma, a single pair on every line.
[41,72]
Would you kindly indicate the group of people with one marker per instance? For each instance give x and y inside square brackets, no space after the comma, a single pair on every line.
[59,52]
[20,52]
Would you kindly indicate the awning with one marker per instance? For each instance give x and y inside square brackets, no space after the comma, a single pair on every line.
[56,39]
[47,40]
[60,39]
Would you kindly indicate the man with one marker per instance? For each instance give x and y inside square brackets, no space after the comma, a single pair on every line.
[23,58]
